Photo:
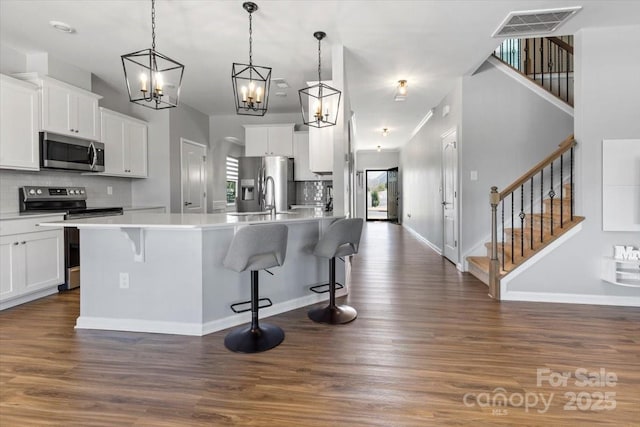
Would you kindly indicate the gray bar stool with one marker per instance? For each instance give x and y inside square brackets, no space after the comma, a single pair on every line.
[342,238]
[254,248]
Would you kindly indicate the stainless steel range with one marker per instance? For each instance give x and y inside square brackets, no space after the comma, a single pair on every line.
[72,201]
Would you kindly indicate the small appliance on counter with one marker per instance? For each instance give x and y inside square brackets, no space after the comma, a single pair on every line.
[72,201]
[265,183]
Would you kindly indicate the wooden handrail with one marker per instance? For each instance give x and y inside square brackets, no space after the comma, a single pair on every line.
[563,148]
[561,43]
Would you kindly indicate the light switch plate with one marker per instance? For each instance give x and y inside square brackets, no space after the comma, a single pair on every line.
[474,175]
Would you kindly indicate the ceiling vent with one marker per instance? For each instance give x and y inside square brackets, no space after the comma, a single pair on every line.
[534,22]
[280,83]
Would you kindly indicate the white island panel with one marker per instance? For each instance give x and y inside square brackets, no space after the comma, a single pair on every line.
[179,285]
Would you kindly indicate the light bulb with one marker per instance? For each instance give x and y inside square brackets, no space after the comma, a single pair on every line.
[385,132]
[244,93]
[402,87]
[143,82]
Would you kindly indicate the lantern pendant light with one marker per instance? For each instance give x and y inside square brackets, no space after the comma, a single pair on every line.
[153,79]
[319,102]
[251,82]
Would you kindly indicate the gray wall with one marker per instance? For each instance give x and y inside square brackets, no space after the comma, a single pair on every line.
[607,107]
[12,61]
[506,130]
[421,170]
[371,160]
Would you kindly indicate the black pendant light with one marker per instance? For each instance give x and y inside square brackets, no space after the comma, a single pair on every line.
[251,82]
[320,102]
[153,79]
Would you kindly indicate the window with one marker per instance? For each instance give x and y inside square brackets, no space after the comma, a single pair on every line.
[232,180]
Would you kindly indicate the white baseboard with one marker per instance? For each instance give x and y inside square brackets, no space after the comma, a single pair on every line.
[198,329]
[571,298]
[30,297]
[422,239]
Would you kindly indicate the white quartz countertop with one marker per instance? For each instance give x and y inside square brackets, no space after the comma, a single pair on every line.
[188,221]
[23,215]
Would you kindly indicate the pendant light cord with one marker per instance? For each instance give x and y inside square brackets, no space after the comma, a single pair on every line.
[153,25]
[250,39]
[319,62]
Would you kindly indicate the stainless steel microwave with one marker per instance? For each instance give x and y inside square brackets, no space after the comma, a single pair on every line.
[64,152]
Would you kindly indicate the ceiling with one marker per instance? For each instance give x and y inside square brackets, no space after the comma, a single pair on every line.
[428,43]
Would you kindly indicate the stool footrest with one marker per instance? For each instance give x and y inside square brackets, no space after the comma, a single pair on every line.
[236,310]
[317,288]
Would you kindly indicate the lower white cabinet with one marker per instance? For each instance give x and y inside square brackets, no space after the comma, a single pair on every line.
[125,145]
[31,261]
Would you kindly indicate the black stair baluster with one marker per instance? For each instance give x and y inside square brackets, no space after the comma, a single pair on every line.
[542,206]
[561,194]
[571,182]
[526,57]
[542,60]
[531,215]
[502,204]
[522,216]
[551,196]
[512,228]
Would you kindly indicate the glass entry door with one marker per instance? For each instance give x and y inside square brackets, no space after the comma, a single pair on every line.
[382,195]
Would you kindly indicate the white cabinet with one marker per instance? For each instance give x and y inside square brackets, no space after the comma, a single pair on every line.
[68,110]
[321,150]
[624,272]
[125,145]
[31,260]
[269,140]
[301,171]
[18,124]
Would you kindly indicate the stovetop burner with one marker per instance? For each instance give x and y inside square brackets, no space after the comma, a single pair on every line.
[69,200]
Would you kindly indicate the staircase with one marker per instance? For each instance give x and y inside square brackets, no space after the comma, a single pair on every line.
[528,215]
[547,61]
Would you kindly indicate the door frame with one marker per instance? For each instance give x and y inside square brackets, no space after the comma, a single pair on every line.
[184,141]
[456,187]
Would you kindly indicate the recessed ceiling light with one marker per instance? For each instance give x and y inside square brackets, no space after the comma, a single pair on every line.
[385,131]
[280,83]
[401,91]
[379,148]
[282,94]
[61,26]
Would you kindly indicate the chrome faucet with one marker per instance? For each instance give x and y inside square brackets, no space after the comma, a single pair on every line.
[270,207]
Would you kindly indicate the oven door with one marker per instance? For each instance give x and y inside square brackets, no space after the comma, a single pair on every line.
[61,152]
[71,258]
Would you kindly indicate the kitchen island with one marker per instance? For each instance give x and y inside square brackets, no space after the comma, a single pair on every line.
[163,273]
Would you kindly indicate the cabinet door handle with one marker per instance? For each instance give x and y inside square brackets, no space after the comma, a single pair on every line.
[23,243]
[77,131]
[16,243]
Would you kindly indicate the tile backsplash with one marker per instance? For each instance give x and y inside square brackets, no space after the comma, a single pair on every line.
[312,192]
[96,186]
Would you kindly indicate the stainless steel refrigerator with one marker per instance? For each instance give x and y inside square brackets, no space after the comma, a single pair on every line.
[265,182]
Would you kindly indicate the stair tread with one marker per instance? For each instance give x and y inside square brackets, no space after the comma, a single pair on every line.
[483,263]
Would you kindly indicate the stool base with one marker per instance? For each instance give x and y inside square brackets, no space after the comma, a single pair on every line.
[335,315]
[246,340]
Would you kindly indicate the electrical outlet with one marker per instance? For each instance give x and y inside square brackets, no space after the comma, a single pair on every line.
[124,280]
[109,190]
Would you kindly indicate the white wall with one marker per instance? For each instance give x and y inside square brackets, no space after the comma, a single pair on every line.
[189,123]
[371,160]
[607,92]
[421,171]
[12,61]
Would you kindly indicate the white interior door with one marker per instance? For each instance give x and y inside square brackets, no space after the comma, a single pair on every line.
[450,195]
[194,178]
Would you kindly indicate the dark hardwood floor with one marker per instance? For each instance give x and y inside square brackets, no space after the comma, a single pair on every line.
[428,348]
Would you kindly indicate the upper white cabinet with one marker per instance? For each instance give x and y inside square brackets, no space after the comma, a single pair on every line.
[69,110]
[269,140]
[125,144]
[321,150]
[301,171]
[18,124]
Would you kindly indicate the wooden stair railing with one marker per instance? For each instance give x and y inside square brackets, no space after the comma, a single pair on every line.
[541,223]
[548,61]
